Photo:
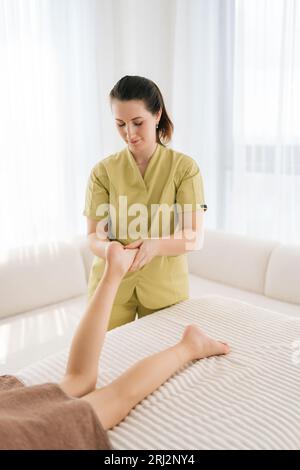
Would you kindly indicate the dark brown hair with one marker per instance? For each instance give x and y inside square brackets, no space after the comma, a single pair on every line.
[133,87]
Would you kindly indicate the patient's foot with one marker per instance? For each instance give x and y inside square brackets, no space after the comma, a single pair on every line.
[118,259]
[199,345]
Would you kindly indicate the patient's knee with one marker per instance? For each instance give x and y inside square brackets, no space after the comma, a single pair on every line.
[77,386]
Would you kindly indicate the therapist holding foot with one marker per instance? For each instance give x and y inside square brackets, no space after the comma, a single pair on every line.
[146,197]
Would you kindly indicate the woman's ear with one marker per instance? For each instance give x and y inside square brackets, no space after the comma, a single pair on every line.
[158,115]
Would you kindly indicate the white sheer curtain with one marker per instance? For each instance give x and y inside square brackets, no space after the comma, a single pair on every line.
[58,61]
[236,96]
[227,69]
[202,93]
[49,116]
[263,199]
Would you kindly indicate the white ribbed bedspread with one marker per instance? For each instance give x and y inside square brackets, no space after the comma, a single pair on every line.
[248,399]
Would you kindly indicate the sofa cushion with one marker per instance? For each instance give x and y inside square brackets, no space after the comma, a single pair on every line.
[32,277]
[283,274]
[233,259]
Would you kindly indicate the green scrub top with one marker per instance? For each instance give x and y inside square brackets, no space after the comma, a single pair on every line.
[170,178]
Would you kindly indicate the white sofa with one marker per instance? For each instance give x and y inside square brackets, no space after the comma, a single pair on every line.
[262,272]
[43,288]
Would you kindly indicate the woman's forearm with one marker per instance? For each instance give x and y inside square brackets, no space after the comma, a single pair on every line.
[98,246]
[180,243]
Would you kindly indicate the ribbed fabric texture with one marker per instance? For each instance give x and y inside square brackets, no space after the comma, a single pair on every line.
[248,399]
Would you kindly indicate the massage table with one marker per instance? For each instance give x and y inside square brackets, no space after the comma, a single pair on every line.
[248,399]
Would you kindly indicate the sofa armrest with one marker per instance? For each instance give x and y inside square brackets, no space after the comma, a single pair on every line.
[36,276]
[283,274]
[236,260]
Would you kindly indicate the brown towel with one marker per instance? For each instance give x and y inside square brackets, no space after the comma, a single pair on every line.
[45,417]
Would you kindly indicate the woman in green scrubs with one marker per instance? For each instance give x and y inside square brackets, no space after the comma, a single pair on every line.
[146,196]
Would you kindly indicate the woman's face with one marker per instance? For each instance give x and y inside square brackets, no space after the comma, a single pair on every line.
[135,124]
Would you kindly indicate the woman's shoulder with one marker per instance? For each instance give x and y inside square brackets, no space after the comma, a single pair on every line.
[183,162]
[102,165]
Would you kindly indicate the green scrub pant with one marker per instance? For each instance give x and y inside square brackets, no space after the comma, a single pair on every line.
[125,313]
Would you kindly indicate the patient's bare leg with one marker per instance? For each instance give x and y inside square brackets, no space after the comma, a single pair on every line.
[113,402]
[82,368]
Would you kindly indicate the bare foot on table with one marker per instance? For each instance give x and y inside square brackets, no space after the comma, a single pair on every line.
[200,345]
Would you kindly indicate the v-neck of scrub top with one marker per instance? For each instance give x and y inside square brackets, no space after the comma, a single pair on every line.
[144,179]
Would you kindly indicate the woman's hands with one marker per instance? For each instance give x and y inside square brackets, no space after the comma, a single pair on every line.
[121,259]
[147,250]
